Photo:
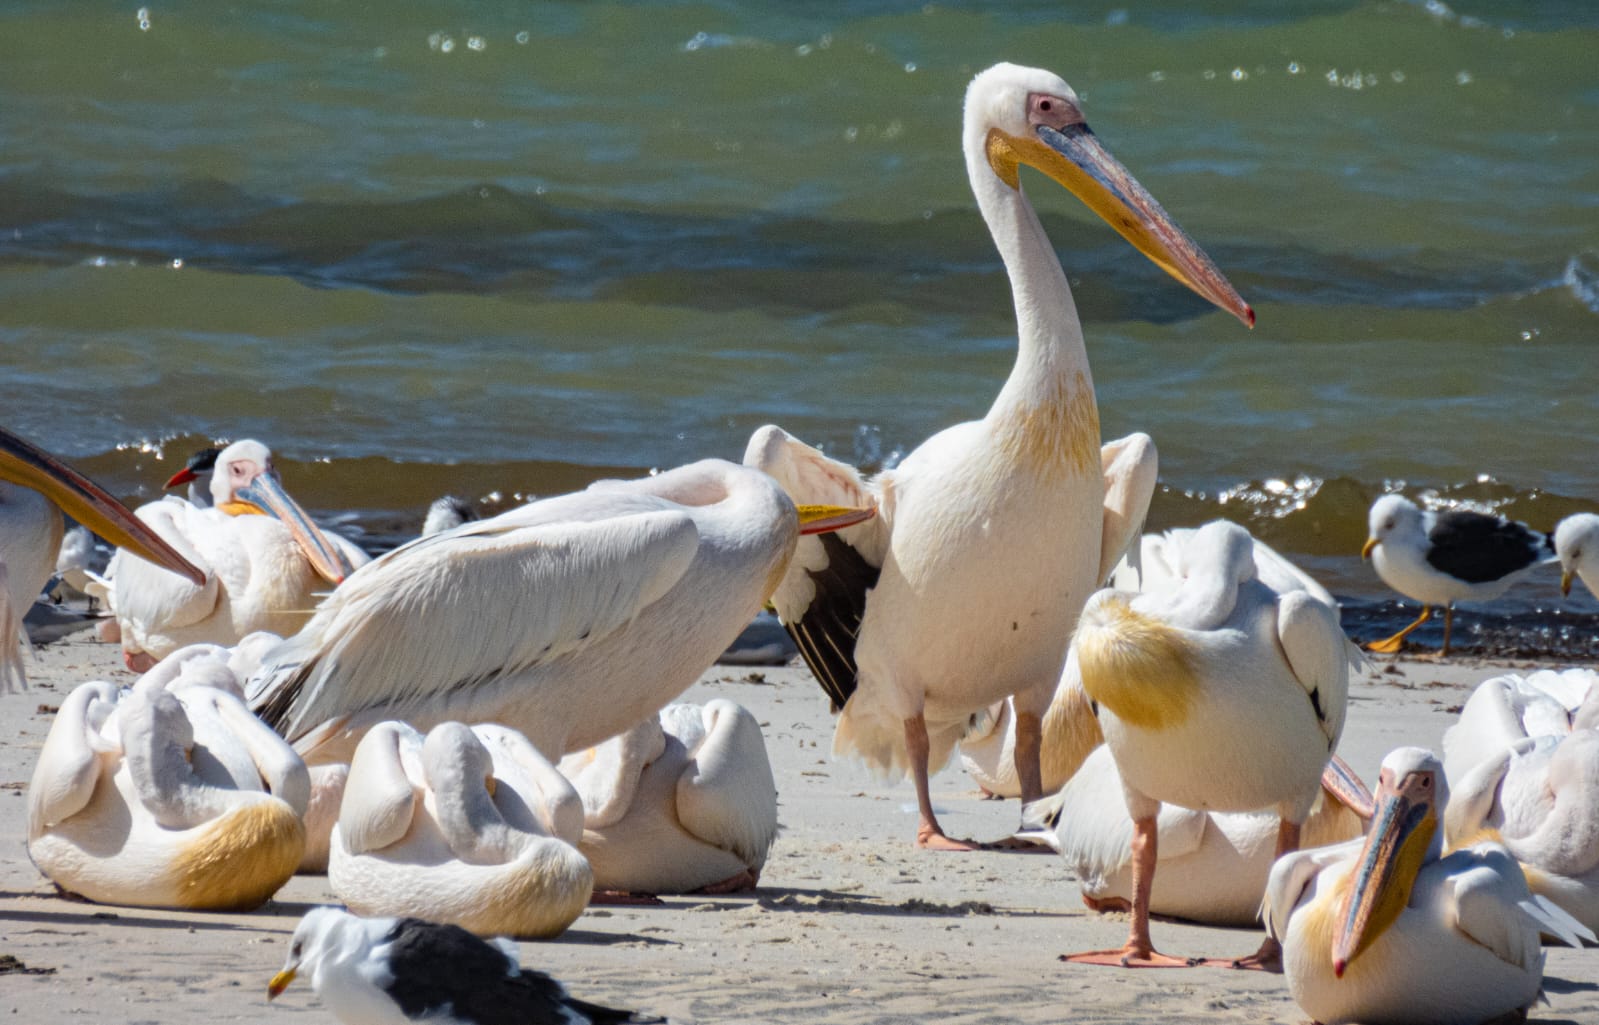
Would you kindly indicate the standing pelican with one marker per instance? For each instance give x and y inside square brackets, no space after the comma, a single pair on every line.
[262,572]
[1523,765]
[1220,694]
[992,533]
[1387,930]
[569,619]
[34,489]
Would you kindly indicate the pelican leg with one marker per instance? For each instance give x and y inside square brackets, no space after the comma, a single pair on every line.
[1140,951]
[1391,645]
[1030,773]
[1269,958]
[929,833]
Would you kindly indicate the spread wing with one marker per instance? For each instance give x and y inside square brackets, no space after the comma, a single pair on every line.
[822,596]
[467,607]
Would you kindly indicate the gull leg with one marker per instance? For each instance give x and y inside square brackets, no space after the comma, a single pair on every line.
[1139,951]
[1449,622]
[929,833]
[1391,645]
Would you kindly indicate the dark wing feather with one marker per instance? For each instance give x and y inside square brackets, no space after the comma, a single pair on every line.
[1478,548]
[826,630]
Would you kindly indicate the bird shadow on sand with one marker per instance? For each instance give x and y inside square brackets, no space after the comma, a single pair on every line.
[802,900]
[586,938]
[1552,984]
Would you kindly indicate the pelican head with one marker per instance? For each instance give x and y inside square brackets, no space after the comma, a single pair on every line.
[1017,115]
[1404,836]
[244,481]
[88,503]
[1577,544]
[1390,515]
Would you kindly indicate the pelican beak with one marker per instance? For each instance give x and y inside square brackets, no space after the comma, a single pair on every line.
[1565,583]
[824,519]
[279,983]
[1368,548]
[1395,849]
[1067,151]
[265,493]
[1346,787]
[88,503]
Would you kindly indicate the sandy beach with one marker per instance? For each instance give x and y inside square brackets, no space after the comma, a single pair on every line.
[851,924]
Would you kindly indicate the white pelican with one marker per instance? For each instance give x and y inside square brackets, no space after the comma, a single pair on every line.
[1213,865]
[569,619]
[1385,930]
[1577,546]
[1439,558]
[394,971]
[34,489]
[470,825]
[684,802]
[992,533]
[170,794]
[262,572]
[1220,694]
[1523,766]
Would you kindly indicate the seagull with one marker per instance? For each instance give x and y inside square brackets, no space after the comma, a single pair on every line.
[993,532]
[266,562]
[446,513]
[1439,558]
[1577,545]
[1387,929]
[395,971]
[35,488]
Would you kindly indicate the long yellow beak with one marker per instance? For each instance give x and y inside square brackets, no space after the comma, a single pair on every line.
[1367,548]
[266,493]
[279,983]
[87,502]
[823,519]
[1072,156]
[1402,828]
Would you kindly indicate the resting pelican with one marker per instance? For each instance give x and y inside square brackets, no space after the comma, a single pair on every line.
[684,802]
[569,619]
[1523,765]
[1213,865]
[992,533]
[168,795]
[1439,558]
[1577,546]
[262,572]
[1219,695]
[470,825]
[1387,930]
[34,489]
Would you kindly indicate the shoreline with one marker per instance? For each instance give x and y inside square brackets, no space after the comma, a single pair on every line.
[851,924]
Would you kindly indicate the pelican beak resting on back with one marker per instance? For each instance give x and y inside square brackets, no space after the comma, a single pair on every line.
[947,603]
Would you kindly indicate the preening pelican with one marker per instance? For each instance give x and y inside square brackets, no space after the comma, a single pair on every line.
[1577,546]
[262,572]
[1220,694]
[1213,865]
[1523,767]
[992,533]
[34,489]
[570,619]
[1439,558]
[168,795]
[470,825]
[1386,930]
[684,802]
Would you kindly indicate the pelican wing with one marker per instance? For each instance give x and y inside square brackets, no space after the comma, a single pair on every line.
[1130,466]
[69,763]
[727,796]
[282,770]
[545,801]
[380,798]
[1484,893]
[1292,875]
[13,677]
[822,596]
[465,608]
[1315,646]
[144,593]
[607,775]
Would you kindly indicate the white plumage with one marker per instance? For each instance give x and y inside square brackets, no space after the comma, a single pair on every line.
[1577,547]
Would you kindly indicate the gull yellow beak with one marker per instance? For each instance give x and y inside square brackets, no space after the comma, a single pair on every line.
[265,493]
[88,503]
[1368,547]
[279,983]
[1068,152]
[823,519]
[1565,583]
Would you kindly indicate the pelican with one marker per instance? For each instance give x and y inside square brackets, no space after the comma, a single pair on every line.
[469,825]
[569,619]
[262,572]
[34,489]
[684,802]
[1577,546]
[170,794]
[1523,767]
[1221,694]
[1213,865]
[1386,929]
[1439,558]
[993,532]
